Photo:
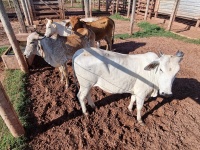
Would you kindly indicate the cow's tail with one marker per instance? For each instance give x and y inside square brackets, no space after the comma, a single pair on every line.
[113,31]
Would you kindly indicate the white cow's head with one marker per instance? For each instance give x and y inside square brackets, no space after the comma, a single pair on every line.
[62,28]
[50,28]
[32,43]
[166,68]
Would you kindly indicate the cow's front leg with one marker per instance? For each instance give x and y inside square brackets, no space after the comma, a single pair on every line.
[139,105]
[61,74]
[130,106]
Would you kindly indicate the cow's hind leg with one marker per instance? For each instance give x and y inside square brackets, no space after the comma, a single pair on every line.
[65,74]
[83,92]
[90,101]
[109,43]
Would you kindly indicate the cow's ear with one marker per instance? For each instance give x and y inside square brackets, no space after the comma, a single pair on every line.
[152,65]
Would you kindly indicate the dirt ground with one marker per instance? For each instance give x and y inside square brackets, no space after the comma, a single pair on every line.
[172,123]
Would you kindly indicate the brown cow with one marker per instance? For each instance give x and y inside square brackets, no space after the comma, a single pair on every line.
[103,28]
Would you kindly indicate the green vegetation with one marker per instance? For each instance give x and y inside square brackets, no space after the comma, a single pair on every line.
[2,50]
[117,16]
[14,84]
[150,30]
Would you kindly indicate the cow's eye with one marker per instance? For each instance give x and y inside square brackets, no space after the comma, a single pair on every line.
[32,43]
[161,70]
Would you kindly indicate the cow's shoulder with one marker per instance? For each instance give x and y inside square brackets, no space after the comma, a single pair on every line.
[150,56]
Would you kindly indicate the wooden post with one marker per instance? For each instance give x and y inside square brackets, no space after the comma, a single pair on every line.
[132,16]
[156,8]
[86,3]
[12,38]
[172,17]
[82,2]
[147,9]
[29,15]
[129,8]
[99,4]
[117,6]
[9,115]
[25,11]
[93,3]
[107,5]
[30,10]
[61,7]
[71,3]
[19,16]
[113,8]
[90,7]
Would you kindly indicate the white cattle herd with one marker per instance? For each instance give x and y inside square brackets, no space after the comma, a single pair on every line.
[141,75]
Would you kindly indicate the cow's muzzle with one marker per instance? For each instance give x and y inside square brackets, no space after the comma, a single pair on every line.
[166,94]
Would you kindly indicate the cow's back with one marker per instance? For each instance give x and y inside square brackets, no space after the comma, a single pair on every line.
[102,27]
[112,72]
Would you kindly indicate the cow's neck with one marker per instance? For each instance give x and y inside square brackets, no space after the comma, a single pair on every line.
[155,76]
[62,30]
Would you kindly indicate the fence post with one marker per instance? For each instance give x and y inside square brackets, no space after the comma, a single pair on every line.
[129,8]
[132,16]
[172,17]
[19,16]
[117,6]
[147,9]
[156,8]
[9,115]
[90,7]
[86,4]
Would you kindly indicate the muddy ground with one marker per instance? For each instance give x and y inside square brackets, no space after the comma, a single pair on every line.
[172,123]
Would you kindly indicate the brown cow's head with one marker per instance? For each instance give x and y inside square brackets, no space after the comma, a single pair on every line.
[75,23]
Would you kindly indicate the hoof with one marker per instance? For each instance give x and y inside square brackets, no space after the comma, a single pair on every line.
[66,87]
[130,109]
[140,122]
[61,80]
[93,106]
[86,114]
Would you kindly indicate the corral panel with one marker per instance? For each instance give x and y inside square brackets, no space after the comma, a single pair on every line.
[186,8]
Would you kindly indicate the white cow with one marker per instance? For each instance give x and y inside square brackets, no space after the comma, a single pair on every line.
[61,28]
[141,75]
[56,51]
